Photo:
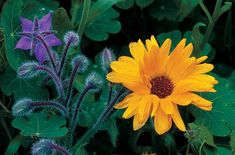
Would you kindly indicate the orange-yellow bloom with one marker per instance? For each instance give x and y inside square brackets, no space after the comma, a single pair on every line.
[160,81]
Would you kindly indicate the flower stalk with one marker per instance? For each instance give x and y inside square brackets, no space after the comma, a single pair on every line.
[75,113]
[66,49]
[52,60]
[99,121]
[56,79]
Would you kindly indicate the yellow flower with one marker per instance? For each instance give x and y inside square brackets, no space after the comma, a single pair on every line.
[160,81]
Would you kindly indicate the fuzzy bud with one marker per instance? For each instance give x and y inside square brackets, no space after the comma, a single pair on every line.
[82,62]
[106,57]
[95,80]
[47,146]
[22,107]
[71,37]
[28,70]
[42,147]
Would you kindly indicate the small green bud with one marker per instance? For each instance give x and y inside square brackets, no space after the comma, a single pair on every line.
[81,61]
[28,70]
[106,57]
[95,80]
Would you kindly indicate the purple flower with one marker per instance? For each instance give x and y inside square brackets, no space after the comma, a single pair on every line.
[31,31]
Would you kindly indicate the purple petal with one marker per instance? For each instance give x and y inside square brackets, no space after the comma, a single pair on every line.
[27,25]
[45,22]
[52,40]
[40,53]
[24,43]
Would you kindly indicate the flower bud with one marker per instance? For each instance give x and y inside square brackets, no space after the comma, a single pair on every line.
[22,107]
[106,57]
[28,70]
[71,37]
[95,80]
[47,146]
[42,147]
[81,61]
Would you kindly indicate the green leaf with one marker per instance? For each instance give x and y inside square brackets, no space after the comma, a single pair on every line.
[144,3]
[38,8]
[99,28]
[81,150]
[11,25]
[217,151]
[161,9]
[220,120]
[185,7]
[125,4]
[111,127]
[100,7]
[40,125]
[14,145]
[61,27]
[196,40]
[11,84]
[232,140]
[174,35]
[227,6]
[198,134]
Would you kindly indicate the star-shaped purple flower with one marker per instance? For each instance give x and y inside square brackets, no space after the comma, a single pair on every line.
[32,31]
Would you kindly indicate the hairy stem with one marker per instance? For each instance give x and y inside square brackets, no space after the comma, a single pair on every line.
[99,121]
[64,58]
[69,91]
[56,79]
[48,52]
[75,113]
[59,149]
[50,104]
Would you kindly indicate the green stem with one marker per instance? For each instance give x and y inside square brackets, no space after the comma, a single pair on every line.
[187,149]
[85,14]
[200,148]
[211,23]
[99,121]
[4,107]
[4,125]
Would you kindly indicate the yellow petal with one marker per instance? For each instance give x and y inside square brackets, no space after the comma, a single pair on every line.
[150,43]
[130,111]
[188,50]
[155,101]
[166,106]
[204,78]
[189,85]
[162,122]
[200,101]
[203,68]
[201,59]
[125,101]
[181,99]
[177,119]
[144,111]
[137,50]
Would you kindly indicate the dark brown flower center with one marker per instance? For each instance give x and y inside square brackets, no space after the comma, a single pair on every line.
[161,86]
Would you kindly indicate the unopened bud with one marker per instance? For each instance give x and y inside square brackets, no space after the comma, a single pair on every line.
[106,57]
[47,146]
[82,62]
[72,38]
[95,80]
[22,107]
[28,70]
[42,147]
